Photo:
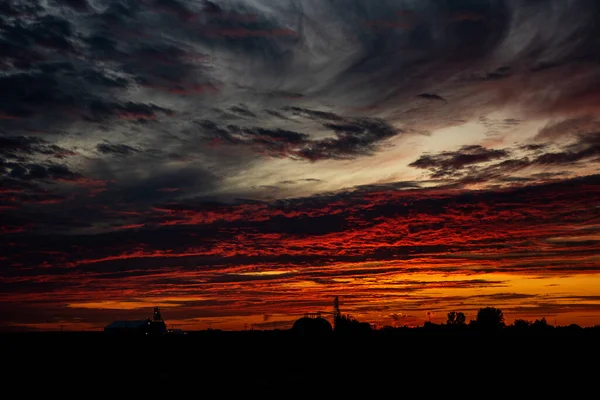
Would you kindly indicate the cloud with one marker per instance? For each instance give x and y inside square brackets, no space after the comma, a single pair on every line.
[397,317]
[479,165]
[353,137]
[567,128]
[448,163]
[431,96]
[374,225]
[23,147]
[116,149]
[77,5]
[39,172]
[243,111]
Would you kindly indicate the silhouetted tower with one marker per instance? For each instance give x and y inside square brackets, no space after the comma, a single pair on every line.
[336,311]
[157,316]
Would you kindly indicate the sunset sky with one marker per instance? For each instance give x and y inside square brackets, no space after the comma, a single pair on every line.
[244,161]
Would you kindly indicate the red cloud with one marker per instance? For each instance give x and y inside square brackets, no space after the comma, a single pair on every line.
[383,251]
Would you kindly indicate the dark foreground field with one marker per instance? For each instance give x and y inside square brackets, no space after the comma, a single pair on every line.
[223,364]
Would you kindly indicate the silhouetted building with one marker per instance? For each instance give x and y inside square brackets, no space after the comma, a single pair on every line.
[312,325]
[154,326]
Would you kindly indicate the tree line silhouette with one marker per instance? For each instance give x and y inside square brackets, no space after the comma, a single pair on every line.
[491,320]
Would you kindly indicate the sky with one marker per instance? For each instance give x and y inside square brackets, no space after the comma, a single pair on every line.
[241,162]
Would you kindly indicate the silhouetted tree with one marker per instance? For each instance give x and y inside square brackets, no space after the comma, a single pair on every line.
[521,324]
[489,318]
[456,319]
[540,324]
[451,318]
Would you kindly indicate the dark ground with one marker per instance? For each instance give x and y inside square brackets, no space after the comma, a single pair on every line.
[87,365]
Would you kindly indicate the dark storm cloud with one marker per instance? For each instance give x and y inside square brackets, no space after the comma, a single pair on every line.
[33,97]
[27,159]
[569,127]
[28,172]
[463,167]
[353,137]
[116,149]
[77,5]
[31,171]
[78,61]
[242,110]
[315,114]
[586,148]
[429,35]
[21,147]
[59,73]
[129,110]
[431,96]
[448,162]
